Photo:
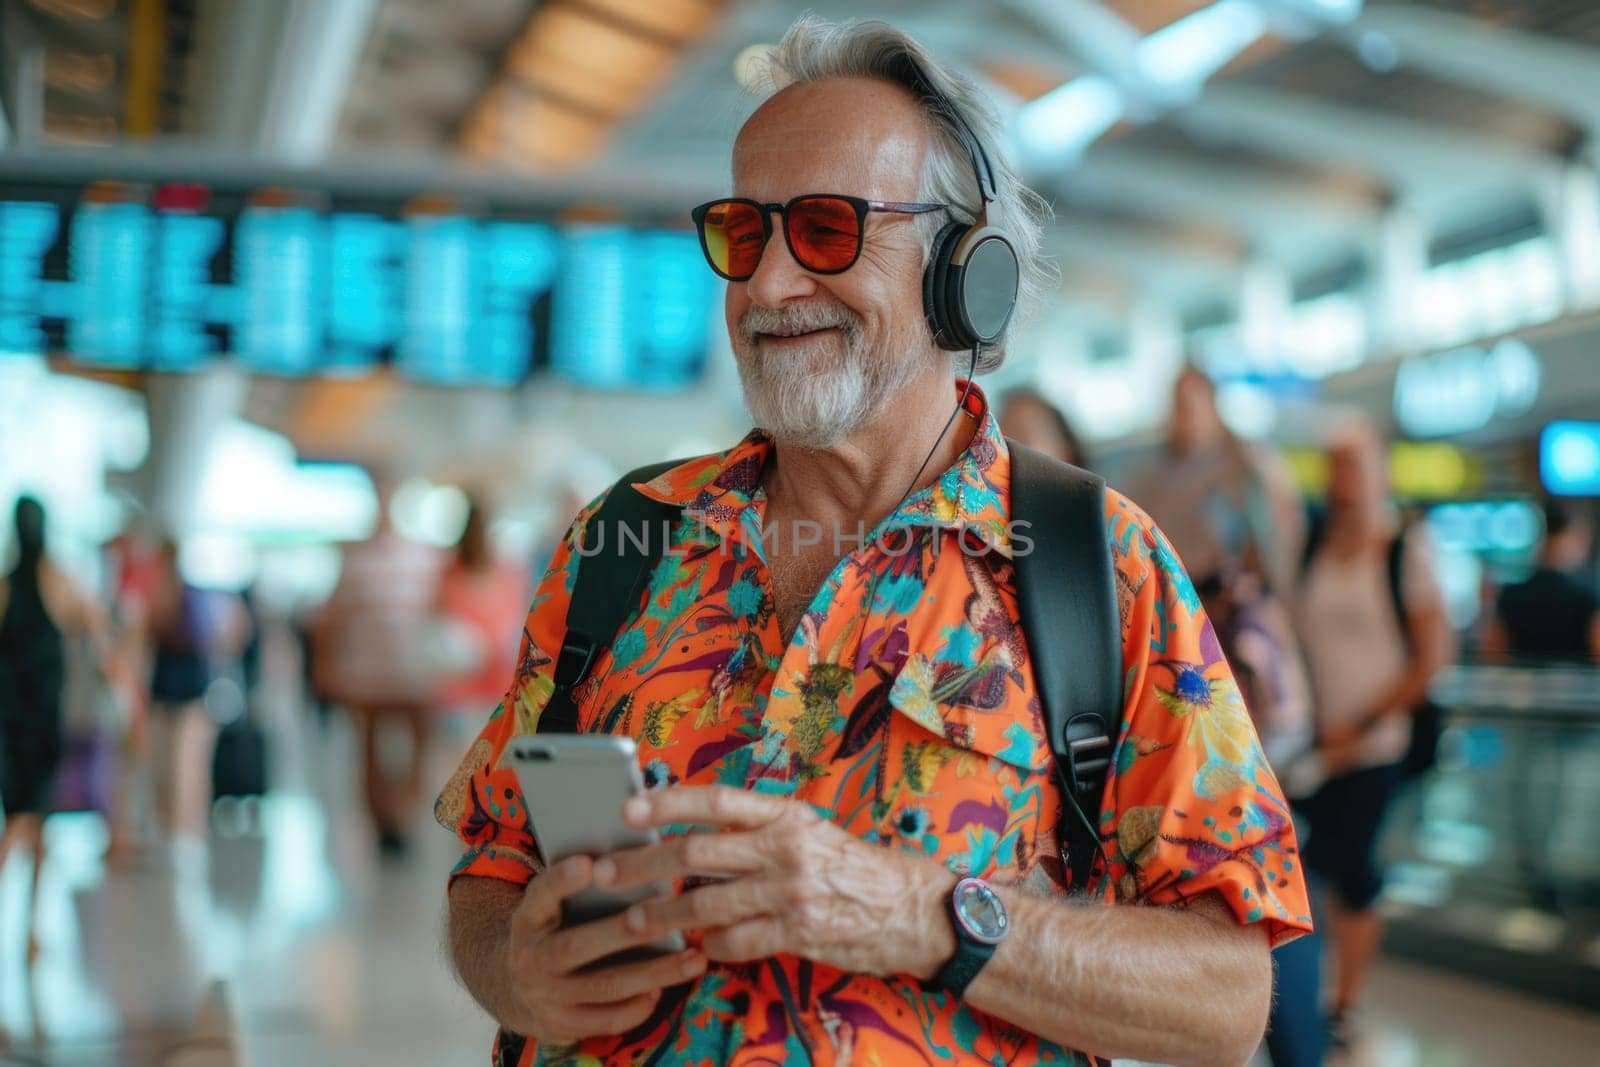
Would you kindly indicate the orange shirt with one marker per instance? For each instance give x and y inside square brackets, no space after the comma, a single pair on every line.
[904,710]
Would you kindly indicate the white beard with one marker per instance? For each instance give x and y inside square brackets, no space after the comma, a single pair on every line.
[814,395]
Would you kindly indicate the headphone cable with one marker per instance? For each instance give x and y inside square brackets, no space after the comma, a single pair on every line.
[972,370]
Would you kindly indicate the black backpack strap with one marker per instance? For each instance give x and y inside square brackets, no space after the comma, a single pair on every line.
[608,585]
[1316,530]
[1067,595]
[1397,590]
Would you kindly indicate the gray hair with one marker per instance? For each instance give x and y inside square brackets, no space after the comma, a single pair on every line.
[817,50]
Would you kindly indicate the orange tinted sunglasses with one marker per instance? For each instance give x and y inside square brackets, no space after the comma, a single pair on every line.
[823,231]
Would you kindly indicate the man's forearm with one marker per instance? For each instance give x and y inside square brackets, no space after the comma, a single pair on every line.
[1156,984]
[480,939]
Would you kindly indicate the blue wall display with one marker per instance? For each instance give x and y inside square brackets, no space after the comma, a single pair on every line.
[286,282]
[1569,458]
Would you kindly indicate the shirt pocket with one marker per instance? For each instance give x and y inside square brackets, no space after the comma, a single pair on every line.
[989,710]
[965,773]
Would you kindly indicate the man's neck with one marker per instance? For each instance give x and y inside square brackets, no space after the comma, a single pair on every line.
[864,477]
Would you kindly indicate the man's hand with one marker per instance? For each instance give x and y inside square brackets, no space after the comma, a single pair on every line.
[791,882]
[555,1001]
[1341,749]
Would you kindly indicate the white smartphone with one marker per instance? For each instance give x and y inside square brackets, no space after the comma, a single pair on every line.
[574,786]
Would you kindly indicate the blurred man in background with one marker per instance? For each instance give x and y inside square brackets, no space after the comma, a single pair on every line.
[370,656]
[1374,631]
[1555,613]
[1227,504]
[194,632]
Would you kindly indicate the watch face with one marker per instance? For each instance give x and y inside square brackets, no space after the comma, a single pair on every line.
[980,911]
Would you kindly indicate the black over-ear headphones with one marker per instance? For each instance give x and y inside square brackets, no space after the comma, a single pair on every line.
[970,287]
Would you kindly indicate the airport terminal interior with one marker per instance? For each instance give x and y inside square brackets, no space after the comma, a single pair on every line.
[320,320]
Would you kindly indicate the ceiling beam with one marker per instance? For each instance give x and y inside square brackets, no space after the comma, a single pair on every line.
[1406,153]
[1252,203]
[1098,38]
[271,79]
[1176,271]
[1560,75]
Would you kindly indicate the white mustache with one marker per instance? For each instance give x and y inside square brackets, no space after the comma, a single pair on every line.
[801,318]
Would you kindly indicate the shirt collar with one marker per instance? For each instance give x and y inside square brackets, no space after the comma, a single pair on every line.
[972,494]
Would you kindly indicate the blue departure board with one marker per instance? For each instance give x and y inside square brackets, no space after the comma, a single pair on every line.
[366,296]
[27,230]
[589,313]
[283,282]
[521,260]
[632,309]
[671,297]
[279,263]
[109,260]
[182,302]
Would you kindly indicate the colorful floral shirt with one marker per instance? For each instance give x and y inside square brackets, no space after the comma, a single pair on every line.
[904,710]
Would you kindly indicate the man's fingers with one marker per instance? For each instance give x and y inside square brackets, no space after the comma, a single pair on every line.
[719,904]
[565,951]
[542,901]
[607,985]
[752,939]
[710,854]
[720,806]
[580,1021]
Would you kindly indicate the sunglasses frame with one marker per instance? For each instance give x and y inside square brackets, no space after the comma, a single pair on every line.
[862,209]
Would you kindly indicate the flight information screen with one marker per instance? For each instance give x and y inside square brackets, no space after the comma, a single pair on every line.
[171,277]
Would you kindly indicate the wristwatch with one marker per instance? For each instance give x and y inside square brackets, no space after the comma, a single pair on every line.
[981,923]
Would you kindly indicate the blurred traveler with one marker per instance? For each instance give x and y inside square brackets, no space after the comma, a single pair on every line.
[39,607]
[193,632]
[482,602]
[1257,636]
[1374,630]
[862,817]
[1225,502]
[1029,419]
[1234,516]
[371,657]
[134,568]
[1555,613]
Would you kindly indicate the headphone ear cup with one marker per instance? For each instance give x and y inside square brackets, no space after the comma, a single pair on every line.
[981,282]
[943,323]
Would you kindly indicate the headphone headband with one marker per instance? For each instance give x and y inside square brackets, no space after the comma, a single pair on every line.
[969,288]
[916,79]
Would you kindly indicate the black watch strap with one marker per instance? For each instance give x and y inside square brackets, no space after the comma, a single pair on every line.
[960,969]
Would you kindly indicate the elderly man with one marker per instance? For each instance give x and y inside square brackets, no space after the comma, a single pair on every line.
[836,730]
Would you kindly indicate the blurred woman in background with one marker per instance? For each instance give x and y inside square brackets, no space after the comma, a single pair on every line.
[482,604]
[39,607]
[1029,419]
[1374,630]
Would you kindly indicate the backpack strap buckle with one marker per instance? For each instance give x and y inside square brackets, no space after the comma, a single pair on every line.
[577,656]
[1089,747]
